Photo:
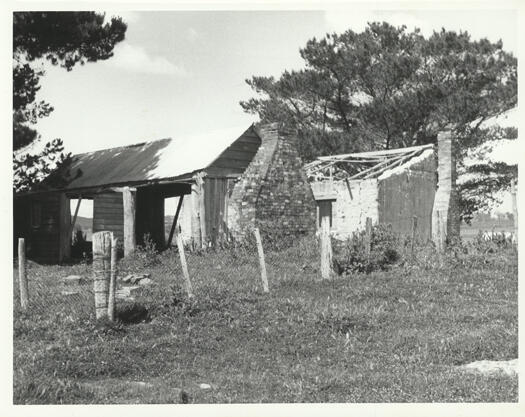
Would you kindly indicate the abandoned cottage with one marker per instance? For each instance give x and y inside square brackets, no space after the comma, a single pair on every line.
[225,182]
[390,187]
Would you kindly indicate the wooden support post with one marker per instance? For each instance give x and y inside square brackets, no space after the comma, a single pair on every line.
[64,251]
[513,191]
[202,212]
[184,266]
[177,212]
[74,220]
[113,280]
[22,277]
[368,237]
[414,227]
[262,263]
[101,271]
[326,248]
[129,202]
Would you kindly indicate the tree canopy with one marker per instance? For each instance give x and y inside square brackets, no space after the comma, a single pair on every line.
[387,87]
[61,38]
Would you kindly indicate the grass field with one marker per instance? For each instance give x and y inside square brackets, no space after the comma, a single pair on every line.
[389,336]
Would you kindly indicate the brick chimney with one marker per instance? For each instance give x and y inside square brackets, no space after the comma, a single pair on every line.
[445,212]
[273,192]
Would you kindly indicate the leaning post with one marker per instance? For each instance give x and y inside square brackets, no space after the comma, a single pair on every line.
[22,276]
[184,265]
[260,250]
[101,271]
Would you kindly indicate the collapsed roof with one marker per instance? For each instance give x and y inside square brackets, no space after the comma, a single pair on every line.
[362,165]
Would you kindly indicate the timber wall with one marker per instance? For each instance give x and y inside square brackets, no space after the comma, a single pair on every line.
[406,193]
[108,214]
[47,239]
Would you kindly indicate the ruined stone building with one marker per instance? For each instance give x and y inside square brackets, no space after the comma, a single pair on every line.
[390,187]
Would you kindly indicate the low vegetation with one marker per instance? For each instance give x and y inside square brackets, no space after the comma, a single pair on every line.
[395,334]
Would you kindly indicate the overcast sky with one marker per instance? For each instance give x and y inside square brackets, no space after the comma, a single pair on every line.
[180,73]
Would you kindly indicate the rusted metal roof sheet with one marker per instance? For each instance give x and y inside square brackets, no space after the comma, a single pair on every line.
[154,161]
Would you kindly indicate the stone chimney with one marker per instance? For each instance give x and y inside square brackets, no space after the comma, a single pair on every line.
[445,212]
[273,192]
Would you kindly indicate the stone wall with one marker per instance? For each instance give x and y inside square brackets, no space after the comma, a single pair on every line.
[273,192]
[355,200]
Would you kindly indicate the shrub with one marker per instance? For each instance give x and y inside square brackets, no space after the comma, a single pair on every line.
[351,255]
[145,256]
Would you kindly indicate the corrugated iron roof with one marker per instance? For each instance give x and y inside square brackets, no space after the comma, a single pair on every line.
[144,162]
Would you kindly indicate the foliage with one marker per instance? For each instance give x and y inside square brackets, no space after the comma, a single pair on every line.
[145,256]
[386,88]
[61,38]
[351,256]
[31,169]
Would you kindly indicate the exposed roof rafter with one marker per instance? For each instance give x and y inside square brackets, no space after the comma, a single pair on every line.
[363,165]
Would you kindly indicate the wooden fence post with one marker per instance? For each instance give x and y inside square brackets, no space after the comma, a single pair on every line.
[513,191]
[184,266]
[101,271]
[22,277]
[368,234]
[261,259]
[113,280]
[414,227]
[326,248]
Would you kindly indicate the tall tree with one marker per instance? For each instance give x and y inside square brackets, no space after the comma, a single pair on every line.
[61,38]
[387,87]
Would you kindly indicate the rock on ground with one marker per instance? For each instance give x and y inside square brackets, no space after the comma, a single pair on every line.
[487,367]
[72,280]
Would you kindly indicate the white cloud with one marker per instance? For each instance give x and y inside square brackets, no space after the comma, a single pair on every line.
[135,59]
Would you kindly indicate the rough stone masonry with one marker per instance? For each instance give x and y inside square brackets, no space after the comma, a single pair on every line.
[273,193]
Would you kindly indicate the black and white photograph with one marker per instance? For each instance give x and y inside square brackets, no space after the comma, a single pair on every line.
[263,204]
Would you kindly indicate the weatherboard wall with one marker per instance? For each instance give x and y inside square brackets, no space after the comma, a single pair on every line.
[108,214]
[408,193]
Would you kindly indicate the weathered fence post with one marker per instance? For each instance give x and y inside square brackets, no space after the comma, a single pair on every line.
[184,266]
[113,280]
[414,227]
[513,191]
[368,233]
[261,259]
[326,248]
[22,277]
[101,271]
